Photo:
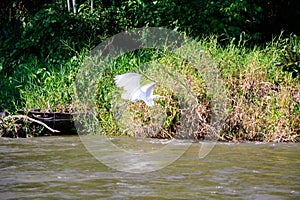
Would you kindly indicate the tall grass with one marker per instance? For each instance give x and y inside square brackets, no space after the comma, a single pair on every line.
[263,101]
[50,87]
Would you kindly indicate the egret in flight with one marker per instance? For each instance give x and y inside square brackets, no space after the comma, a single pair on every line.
[132,89]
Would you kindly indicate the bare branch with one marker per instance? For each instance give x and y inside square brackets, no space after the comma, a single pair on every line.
[33,120]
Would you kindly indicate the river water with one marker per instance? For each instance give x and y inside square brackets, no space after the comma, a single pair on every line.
[62,168]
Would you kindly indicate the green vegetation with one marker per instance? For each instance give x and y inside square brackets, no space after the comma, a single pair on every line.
[42,50]
[263,102]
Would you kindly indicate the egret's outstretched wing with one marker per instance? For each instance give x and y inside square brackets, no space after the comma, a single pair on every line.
[148,93]
[148,89]
[130,82]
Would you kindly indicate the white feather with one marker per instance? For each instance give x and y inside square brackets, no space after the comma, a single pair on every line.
[132,90]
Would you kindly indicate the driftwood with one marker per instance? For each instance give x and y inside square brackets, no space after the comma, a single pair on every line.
[33,120]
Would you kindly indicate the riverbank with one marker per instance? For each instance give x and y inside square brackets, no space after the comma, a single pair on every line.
[262,100]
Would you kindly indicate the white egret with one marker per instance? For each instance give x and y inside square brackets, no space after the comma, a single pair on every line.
[132,89]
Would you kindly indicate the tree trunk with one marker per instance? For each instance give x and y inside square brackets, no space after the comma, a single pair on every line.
[69,5]
[92,5]
[74,6]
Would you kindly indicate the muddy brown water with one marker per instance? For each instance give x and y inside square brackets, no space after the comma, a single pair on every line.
[62,168]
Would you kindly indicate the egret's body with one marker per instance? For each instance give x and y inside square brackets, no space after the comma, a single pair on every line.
[132,89]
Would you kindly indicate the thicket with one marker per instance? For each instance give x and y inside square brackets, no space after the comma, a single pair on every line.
[42,44]
[262,103]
